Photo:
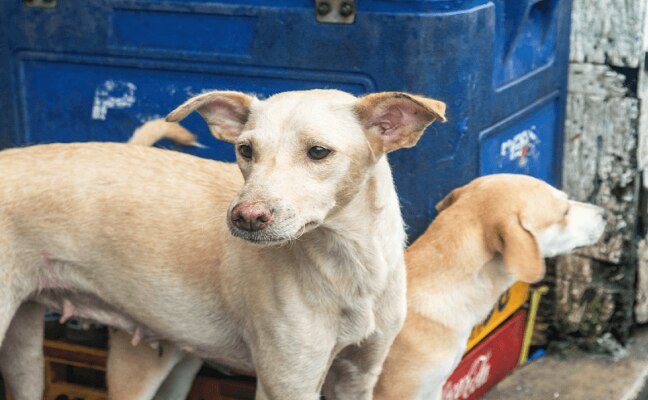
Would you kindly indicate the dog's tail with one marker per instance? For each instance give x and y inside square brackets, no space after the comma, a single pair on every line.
[158,129]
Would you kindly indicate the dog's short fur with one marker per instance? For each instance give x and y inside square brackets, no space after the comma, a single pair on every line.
[135,370]
[489,233]
[137,238]
[22,354]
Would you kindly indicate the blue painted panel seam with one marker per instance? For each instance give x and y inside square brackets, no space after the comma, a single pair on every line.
[300,74]
[529,75]
[20,98]
[222,9]
[420,14]
[490,131]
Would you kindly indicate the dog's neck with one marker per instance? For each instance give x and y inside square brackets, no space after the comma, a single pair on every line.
[361,243]
[461,279]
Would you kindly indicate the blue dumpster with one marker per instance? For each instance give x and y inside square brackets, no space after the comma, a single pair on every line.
[96,69]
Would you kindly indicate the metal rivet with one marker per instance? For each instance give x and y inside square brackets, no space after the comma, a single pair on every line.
[323,8]
[347,9]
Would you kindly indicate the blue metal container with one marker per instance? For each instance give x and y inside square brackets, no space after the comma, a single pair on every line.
[96,69]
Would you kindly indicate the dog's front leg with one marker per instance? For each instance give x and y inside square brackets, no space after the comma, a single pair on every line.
[355,371]
[290,367]
[21,357]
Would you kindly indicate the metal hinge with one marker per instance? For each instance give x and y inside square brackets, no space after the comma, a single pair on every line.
[40,3]
[335,11]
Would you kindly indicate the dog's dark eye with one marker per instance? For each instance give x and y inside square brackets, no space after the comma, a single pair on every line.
[318,153]
[245,150]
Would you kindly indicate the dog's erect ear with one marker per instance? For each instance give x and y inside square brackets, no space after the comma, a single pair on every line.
[520,252]
[449,199]
[225,112]
[395,120]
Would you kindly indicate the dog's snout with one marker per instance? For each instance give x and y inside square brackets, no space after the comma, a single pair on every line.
[604,213]
[251,217]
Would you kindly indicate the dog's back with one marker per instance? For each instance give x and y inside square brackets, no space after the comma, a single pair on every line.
[67,209]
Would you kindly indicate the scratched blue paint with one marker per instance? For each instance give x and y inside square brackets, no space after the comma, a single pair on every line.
[523,145]
[528,38]
[157,91]
[94,70]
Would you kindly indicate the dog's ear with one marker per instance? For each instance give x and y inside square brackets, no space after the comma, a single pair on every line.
[225,112]
[449,200]
[520,251]
[395,120]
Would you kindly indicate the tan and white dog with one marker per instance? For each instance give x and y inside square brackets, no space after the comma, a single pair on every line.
[294,272]
[488,234]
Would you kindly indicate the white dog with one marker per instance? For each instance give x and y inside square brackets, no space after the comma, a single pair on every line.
[309,275]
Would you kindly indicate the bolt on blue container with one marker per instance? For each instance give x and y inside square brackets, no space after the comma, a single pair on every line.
[97,69]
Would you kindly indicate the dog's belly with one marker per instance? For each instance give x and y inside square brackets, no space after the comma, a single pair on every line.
[231,351]
[90,308]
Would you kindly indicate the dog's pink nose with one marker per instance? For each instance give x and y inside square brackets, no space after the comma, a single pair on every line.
[252,216]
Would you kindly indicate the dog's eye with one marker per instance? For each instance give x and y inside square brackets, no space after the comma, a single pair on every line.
[318,152]
[245,150]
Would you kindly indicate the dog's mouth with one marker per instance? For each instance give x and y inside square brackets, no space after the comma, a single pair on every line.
[262,241]
[596,235]
[270,236]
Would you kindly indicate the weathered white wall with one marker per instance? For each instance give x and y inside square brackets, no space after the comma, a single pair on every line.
[607,32]
[595,289]
[641,306]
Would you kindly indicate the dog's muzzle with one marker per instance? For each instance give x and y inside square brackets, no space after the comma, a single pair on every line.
[251,216]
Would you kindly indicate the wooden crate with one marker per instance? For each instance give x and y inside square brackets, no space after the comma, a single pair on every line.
[74,370]
[222,388]
[64,360]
